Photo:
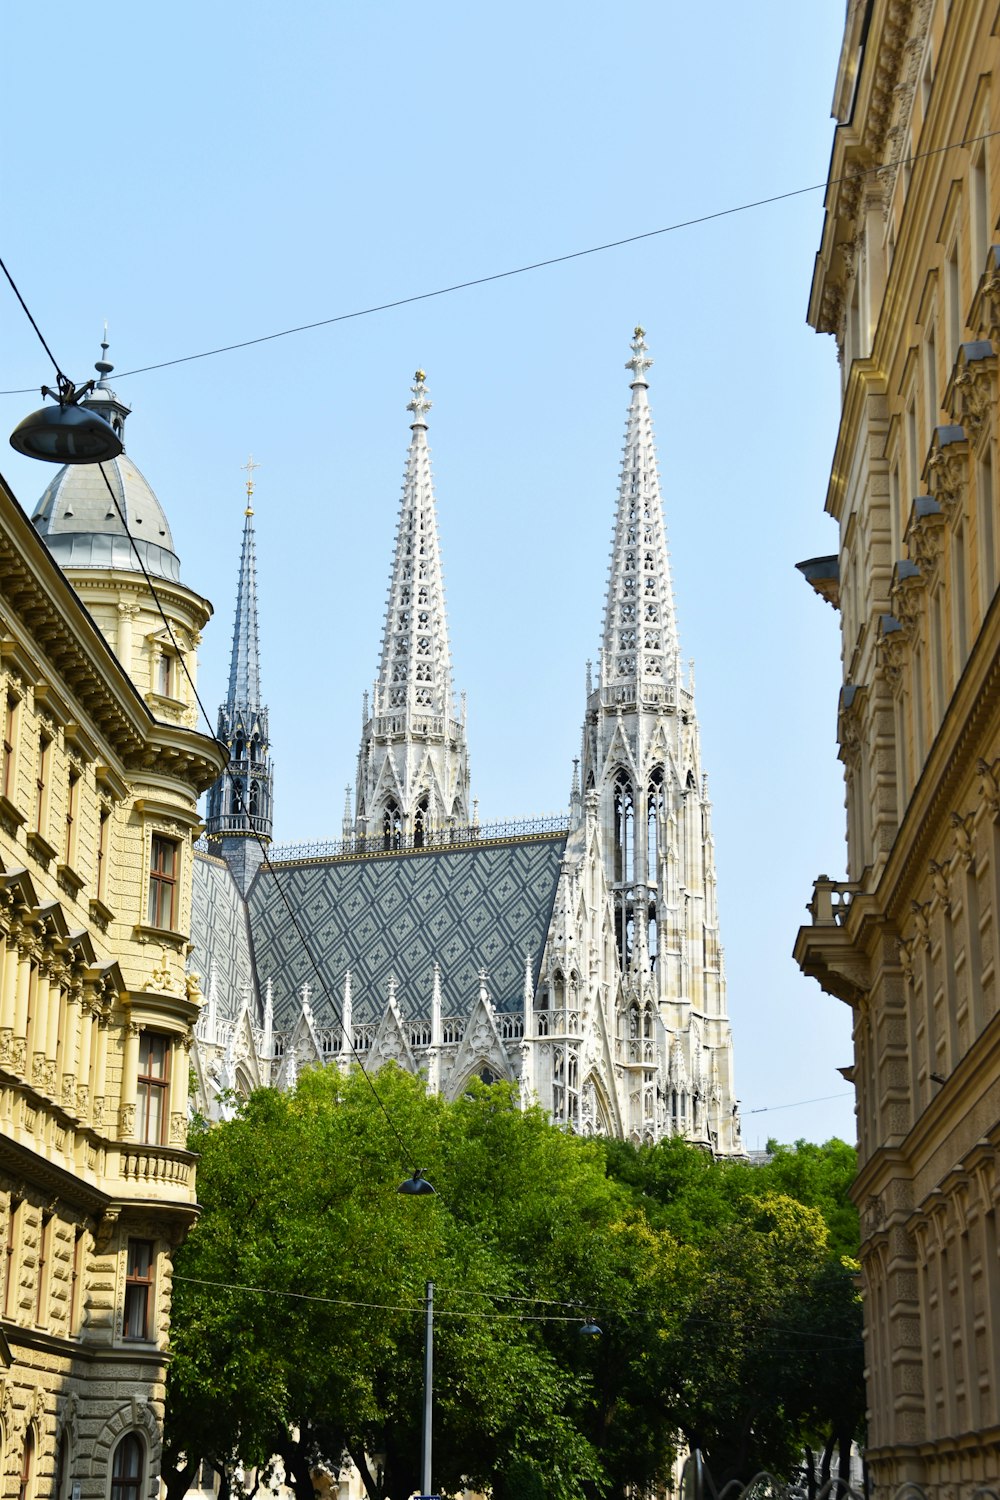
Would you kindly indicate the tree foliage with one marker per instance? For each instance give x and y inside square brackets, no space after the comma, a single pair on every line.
[298,1298]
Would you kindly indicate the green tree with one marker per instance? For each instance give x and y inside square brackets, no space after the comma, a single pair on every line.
[771,1363]
[299,1199]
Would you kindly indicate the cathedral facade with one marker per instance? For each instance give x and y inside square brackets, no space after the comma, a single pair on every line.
[578,958]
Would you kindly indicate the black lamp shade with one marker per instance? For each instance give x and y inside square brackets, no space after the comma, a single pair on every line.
[66,435]
[417,1184]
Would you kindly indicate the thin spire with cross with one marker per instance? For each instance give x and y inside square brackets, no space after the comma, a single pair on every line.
[250,466]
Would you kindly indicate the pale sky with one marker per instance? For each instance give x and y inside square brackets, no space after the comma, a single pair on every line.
[203,174]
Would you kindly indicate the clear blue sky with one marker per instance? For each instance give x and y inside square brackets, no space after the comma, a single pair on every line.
[200,174]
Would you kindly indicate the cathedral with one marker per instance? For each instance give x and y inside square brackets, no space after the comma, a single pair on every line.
[578,958]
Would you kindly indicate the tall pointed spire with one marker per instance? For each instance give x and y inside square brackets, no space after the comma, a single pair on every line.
[240,802]
[643,777]
[244,664]
[641,657]
[413,765]
[415,669]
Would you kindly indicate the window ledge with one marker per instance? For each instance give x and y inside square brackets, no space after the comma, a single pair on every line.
[39,848]
[100,911]
[68,877]
[161,934]
[9,813]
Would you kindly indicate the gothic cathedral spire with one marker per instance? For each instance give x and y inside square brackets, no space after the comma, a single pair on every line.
[413,771]
[642,763]
[641,655]
[240,802]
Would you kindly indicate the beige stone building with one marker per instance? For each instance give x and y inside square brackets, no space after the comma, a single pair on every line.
[100,771]
[907,279]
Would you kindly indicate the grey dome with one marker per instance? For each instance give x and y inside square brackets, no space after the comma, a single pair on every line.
[77,517]
[82,528]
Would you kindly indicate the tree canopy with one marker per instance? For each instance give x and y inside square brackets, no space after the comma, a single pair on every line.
[297,1327]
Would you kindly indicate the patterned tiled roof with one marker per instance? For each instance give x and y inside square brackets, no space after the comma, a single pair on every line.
[221,937]
[394,916]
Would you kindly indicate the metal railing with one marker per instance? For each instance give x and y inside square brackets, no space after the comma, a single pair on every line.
[697,1484]
[431,838]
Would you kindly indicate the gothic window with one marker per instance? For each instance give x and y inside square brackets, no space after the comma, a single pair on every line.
[624,813]
[652,612]
[628,588]
[420,822]
[652,640]
[559,990]
[403,620]
[126,1469]
[629,937]
[392,826]
[628,613]
[628,640]
[654,818]
[652,938]
[423,698]
[488,1075]
[648,563]
[630,562]
[690,782]
[254,799]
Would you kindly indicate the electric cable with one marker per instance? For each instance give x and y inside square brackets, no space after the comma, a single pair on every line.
[769,1109]
[537,265]
[825,1339]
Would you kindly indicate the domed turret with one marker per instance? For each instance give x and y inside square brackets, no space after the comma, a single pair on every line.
[79,521]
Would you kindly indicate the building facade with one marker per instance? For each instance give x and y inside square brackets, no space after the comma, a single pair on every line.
[907,279]
[578,959]
[99,778]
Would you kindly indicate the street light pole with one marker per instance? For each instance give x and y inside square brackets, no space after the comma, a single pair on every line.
[425,1449]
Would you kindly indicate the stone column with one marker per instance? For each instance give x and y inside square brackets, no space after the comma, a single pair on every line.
[130,1073]
[87,1024]
[101,1073]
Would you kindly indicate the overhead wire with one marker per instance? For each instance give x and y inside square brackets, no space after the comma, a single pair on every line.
[535,265]
[478,1314]
[365,312]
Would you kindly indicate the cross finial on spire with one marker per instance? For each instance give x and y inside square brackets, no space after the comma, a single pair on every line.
[421,403]
[103,366]
[640,361]
[250,466]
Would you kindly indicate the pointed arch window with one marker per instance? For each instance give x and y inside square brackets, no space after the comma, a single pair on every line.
[126,1469]
[392,826]
[624,812]
[420,822]
[654,819]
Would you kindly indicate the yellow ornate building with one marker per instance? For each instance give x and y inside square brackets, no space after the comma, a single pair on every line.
[907,279]
[99,776]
